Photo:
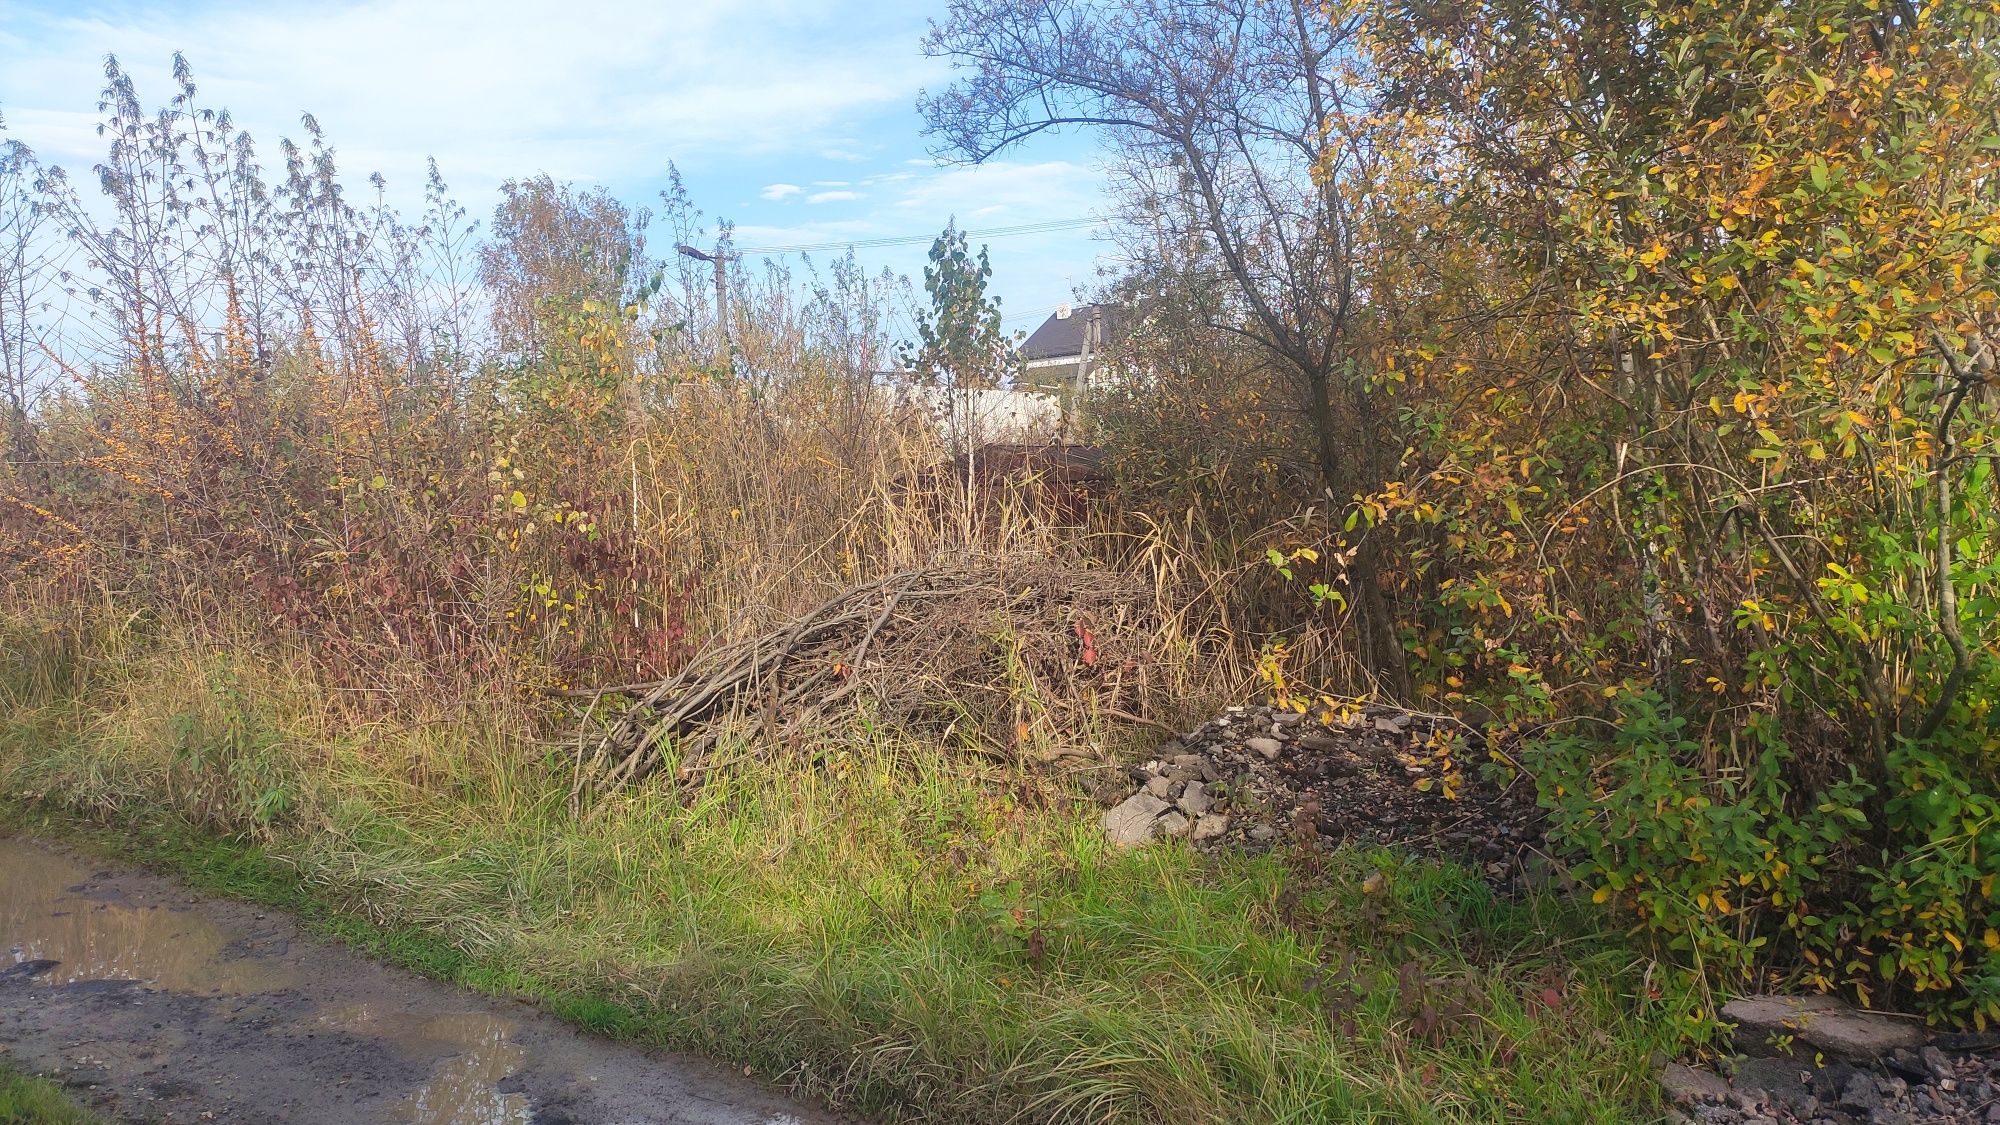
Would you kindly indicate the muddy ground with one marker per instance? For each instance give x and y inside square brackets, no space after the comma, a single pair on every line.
[157,1004]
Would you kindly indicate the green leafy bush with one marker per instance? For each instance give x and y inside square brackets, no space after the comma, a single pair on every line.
[1739,867]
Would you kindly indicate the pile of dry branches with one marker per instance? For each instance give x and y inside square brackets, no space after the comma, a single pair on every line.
[1010,656]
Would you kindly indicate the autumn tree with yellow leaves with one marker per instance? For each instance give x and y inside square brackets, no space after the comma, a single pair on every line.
[1716,464]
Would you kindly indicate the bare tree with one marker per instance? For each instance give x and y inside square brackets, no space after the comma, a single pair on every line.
[1228,114]
[1238,126]
[191,232]
[26,277]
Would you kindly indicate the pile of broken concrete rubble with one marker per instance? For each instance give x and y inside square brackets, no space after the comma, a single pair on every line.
[1256,775]
[1817,1060]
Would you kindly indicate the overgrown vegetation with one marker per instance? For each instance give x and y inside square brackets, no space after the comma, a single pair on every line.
[1740,485]
[889,925]
[1668,395]
[1618,377]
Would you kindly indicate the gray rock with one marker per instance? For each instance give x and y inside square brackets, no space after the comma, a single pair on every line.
[1908,1064]
[1263,833]
[1392,724]
[1936,1062]
[1268,747]
[1132,824]
[1211,827]
[1686,1086]
[1157,787]
[1821,1021]
[1194,800]
[1749,1099]
[1320,742]
[1172,824]
[1780,1081]
[1860,1094]
[1827,1081]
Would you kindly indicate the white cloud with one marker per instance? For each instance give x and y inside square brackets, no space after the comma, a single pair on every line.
[1034,271]
[756,100]
[1022,192]
[594,90]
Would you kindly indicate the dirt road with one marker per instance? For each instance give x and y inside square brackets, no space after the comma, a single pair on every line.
[159,1004]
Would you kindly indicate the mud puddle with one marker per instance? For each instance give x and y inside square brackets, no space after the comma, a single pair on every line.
[159,1005]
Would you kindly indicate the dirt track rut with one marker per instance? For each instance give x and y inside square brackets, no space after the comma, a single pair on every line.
[159,1004]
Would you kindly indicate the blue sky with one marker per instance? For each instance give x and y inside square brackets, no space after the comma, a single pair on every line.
[793,118]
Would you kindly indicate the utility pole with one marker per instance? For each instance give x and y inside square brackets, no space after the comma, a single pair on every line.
[721,261]
[1093,331]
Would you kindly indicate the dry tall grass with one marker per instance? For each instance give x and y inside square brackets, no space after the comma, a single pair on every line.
[530,530]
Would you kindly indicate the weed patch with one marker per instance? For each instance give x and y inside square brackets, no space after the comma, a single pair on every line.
[27,1100]
[881,926]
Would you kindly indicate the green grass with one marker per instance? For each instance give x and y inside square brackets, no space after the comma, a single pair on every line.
[877,924]
[27,1100]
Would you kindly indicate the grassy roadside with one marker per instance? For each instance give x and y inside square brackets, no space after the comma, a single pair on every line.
[27,1100]
[875,923]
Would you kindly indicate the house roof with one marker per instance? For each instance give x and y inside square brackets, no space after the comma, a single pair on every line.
[1062,337]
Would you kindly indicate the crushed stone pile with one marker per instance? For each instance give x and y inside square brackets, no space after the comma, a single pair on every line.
[1815,1060]
[1256,775]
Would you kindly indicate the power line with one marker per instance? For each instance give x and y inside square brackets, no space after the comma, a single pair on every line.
[914,239]
[1018,315]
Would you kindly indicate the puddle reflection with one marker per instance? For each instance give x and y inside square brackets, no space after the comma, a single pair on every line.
[108,938]
[465,1088]
[98,934]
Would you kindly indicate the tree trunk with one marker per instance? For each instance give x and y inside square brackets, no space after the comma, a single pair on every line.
[1319,410]
[1372,612]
